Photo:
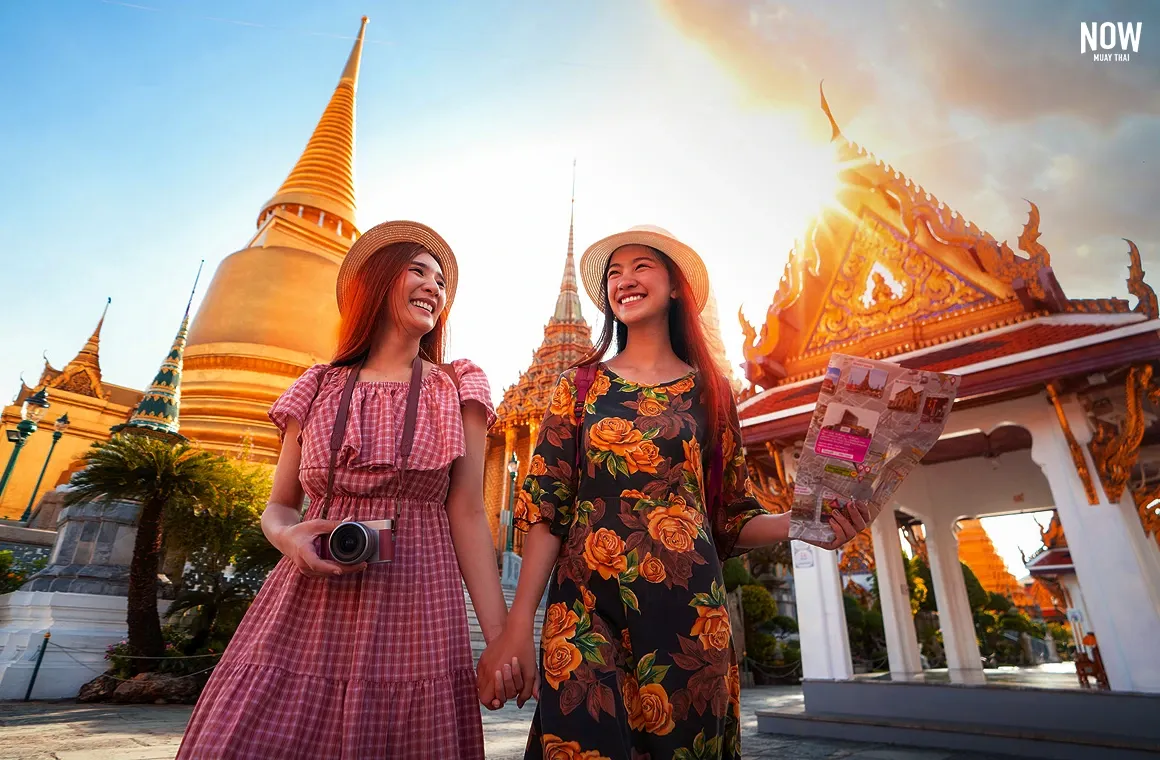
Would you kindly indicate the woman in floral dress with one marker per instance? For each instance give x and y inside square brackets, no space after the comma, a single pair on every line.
[637,659]
[371,661]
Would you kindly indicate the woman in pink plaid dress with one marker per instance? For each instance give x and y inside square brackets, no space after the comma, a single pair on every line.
[372,661]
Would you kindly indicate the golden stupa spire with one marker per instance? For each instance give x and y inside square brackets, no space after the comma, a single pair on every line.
[568,302]
[323,178]
[90,355]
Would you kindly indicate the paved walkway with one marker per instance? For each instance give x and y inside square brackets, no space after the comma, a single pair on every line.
[71,731]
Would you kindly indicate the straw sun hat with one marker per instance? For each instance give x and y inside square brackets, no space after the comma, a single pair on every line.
[595,261]
[378,237]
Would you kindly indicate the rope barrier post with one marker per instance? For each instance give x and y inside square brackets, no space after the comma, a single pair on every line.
[36,668]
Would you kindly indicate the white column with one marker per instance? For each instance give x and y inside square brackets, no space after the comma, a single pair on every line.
[955,620]
[897,619]
[821,613]
[1114,560]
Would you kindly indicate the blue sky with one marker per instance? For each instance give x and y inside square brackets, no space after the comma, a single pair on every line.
[138,138]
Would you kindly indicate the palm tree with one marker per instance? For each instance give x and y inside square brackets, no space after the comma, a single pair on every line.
[155,473]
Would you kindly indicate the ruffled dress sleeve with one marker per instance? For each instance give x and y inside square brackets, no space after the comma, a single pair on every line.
[473,386]
[549,491]
[295,403]
[736,506]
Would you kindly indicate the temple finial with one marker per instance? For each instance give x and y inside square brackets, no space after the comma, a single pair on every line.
[568,302]
[196,279]
[323,178]
[836,132]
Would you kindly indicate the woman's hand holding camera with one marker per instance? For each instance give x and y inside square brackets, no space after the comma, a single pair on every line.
[297,542]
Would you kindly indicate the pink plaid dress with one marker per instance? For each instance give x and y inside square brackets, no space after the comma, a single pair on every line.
[374,664]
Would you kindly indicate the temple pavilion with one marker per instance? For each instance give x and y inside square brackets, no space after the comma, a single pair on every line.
[1056,409]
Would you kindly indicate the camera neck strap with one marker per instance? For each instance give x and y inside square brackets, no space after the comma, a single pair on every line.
[339,432]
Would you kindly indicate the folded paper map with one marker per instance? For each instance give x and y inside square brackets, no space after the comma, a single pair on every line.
[872,424]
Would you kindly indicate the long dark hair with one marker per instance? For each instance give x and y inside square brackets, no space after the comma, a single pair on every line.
[370,307]
[687,336]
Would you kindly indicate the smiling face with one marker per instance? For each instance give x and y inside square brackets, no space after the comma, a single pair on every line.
[419,295]
[639,288]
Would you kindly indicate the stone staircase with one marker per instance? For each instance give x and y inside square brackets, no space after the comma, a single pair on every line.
[509,596]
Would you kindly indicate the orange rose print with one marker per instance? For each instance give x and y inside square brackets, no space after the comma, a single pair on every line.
[650,407]
[712,627]
[630,691]
[560,659]
[633,495]
[589,599]
[525,509]
[693,463]
[728,445]
[556,748]
[681,386]
[625,641]
[604,553]
[600,386]
[537,467]
[656,712]
[616,435]
[674,526]
[733,688]
[559,621]
[563,400]
[652,569]
[646,458]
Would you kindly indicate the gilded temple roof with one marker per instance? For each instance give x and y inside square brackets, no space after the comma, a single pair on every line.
[896,271]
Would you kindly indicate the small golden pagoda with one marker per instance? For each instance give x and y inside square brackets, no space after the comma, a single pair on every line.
[93,407]
[567,338]
[270,313]
[978,552]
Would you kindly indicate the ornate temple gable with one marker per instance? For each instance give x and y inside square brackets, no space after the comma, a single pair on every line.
[896,270]
[82,375]
[884,280]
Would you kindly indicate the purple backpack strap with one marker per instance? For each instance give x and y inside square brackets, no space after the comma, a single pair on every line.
[584,377]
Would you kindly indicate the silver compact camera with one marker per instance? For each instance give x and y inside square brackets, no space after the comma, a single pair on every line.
[353,543]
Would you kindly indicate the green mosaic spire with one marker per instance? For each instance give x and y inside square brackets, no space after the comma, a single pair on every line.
[157,412]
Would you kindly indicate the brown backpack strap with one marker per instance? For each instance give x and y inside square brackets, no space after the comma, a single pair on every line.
[339,432]
[412,409]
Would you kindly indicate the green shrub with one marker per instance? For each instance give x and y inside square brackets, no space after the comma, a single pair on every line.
[735,574]
[758,605]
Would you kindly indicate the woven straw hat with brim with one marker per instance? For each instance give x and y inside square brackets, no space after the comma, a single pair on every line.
[380,236]
[595,261]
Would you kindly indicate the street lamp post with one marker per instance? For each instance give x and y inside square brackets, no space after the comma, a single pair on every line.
[31,411]
[58,429]
[513,468]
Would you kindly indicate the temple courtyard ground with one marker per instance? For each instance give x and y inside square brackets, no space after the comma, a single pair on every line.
[65,730]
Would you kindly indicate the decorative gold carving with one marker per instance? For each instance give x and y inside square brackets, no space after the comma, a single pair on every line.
[1115,451]
[916,537]
[1076,450]
[789,289]
[1137,286]
[887,280]
[1148,507]
[79,380]
[921,210]
[773,491]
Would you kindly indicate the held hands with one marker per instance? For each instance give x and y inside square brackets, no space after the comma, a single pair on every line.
[847,523]
[297,542]
[507,670]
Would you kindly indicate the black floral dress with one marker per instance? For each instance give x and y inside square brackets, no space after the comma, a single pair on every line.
[636,653]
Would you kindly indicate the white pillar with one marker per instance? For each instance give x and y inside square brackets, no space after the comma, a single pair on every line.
[821,613]
[897,619]
[1114,560]
[955,620]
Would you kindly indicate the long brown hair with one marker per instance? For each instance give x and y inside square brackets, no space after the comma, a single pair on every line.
[686,335]
[370,307]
